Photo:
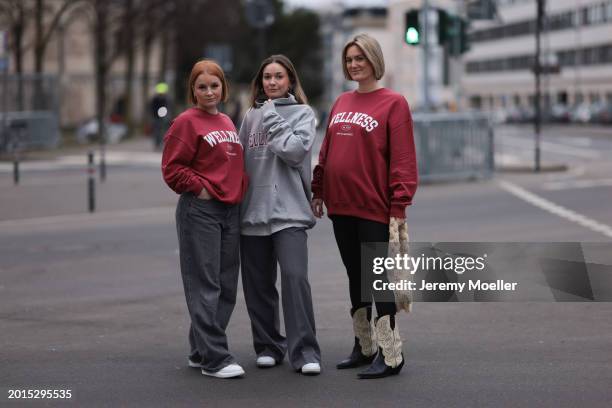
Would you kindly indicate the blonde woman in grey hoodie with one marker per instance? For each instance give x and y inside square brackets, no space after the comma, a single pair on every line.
[277,133]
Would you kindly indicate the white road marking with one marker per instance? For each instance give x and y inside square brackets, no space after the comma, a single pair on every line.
[570,184]
[79,218]
[151,159]
[574,172]
[576,141]
[502,159]
[556,209]
[552,147]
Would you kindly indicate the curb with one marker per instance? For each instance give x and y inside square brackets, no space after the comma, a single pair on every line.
[529,168]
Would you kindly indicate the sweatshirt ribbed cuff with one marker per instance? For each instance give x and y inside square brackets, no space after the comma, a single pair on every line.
[398,211]
[196,188]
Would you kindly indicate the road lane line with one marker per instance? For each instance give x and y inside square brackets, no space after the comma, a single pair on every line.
[571,184]
[80,161]
[575,141]
[87,217]
[573,173]
[551,147]
[556,209]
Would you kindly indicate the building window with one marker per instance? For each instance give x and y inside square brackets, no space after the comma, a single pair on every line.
[578,98]
[588,15]
[531,100]
[584,56]
[490,101]
[476,101]
[593,97]
[595,14]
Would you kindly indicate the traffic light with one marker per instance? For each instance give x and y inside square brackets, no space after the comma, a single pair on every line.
[412,33]
[452,31]
[464,41]
[446,28]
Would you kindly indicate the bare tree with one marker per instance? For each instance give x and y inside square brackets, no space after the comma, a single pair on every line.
[15,12]
[200,24]
[43,32]
[101,70]
[118,20]
[141,21]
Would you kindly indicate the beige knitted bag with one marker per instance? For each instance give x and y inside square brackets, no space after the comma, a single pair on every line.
[398,244]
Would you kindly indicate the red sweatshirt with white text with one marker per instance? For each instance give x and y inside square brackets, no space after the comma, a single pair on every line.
[367,163]
[202,150]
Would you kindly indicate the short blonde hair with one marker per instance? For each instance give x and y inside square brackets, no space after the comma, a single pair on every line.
[210,67]
[372,51]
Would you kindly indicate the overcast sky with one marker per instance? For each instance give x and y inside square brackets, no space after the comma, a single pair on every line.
[347,3]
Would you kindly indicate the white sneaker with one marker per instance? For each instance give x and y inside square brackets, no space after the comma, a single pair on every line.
[193,364]
[265,361]
[311,369]
[229,371]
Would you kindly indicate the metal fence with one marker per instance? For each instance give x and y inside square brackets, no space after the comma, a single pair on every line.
[453,146]
[30,92]
[29,112]
[29,130]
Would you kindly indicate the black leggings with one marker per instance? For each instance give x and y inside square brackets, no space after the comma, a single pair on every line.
[350,233]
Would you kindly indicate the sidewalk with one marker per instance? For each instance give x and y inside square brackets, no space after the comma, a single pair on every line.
[77,154]
[55,182]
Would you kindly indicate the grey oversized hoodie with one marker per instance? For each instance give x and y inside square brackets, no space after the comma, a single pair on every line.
[277,140]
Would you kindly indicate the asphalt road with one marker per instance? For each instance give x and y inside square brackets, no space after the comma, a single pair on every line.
[94,303]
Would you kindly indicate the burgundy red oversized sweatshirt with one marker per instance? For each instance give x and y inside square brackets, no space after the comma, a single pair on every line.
[202,150]
[367,164]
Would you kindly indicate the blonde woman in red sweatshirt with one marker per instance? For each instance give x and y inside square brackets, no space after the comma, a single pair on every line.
[203,162]
[367,174]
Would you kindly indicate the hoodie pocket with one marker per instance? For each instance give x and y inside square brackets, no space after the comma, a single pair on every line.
[264,205]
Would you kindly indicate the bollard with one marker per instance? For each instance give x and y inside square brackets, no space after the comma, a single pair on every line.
[91,182]
[16,170]
[102,164]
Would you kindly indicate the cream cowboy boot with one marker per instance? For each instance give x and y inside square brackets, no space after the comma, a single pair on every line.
[365,347]
[390,359]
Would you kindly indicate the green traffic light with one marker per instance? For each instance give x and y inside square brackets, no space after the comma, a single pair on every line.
[412,27]
[412,36]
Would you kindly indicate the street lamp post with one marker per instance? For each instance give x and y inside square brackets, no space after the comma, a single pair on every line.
[426,95]
[101,71]
[537,121]
[4,67]
[61,52]
[260,15]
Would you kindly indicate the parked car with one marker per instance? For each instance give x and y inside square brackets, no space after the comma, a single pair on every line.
[604,115]
[526,114]
[599,111]
[581,113]
[88,132]
[559,113]
[513,114]
[497,116]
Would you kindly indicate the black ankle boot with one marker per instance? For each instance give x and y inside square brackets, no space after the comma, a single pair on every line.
[390,359]
[356,359]
[378,368]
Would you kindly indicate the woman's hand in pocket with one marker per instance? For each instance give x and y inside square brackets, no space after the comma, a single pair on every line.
[204,194]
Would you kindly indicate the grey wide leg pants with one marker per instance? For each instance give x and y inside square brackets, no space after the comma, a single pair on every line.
[209,237]
[259,256]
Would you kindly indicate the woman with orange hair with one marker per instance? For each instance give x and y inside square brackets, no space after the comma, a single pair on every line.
[203,162]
